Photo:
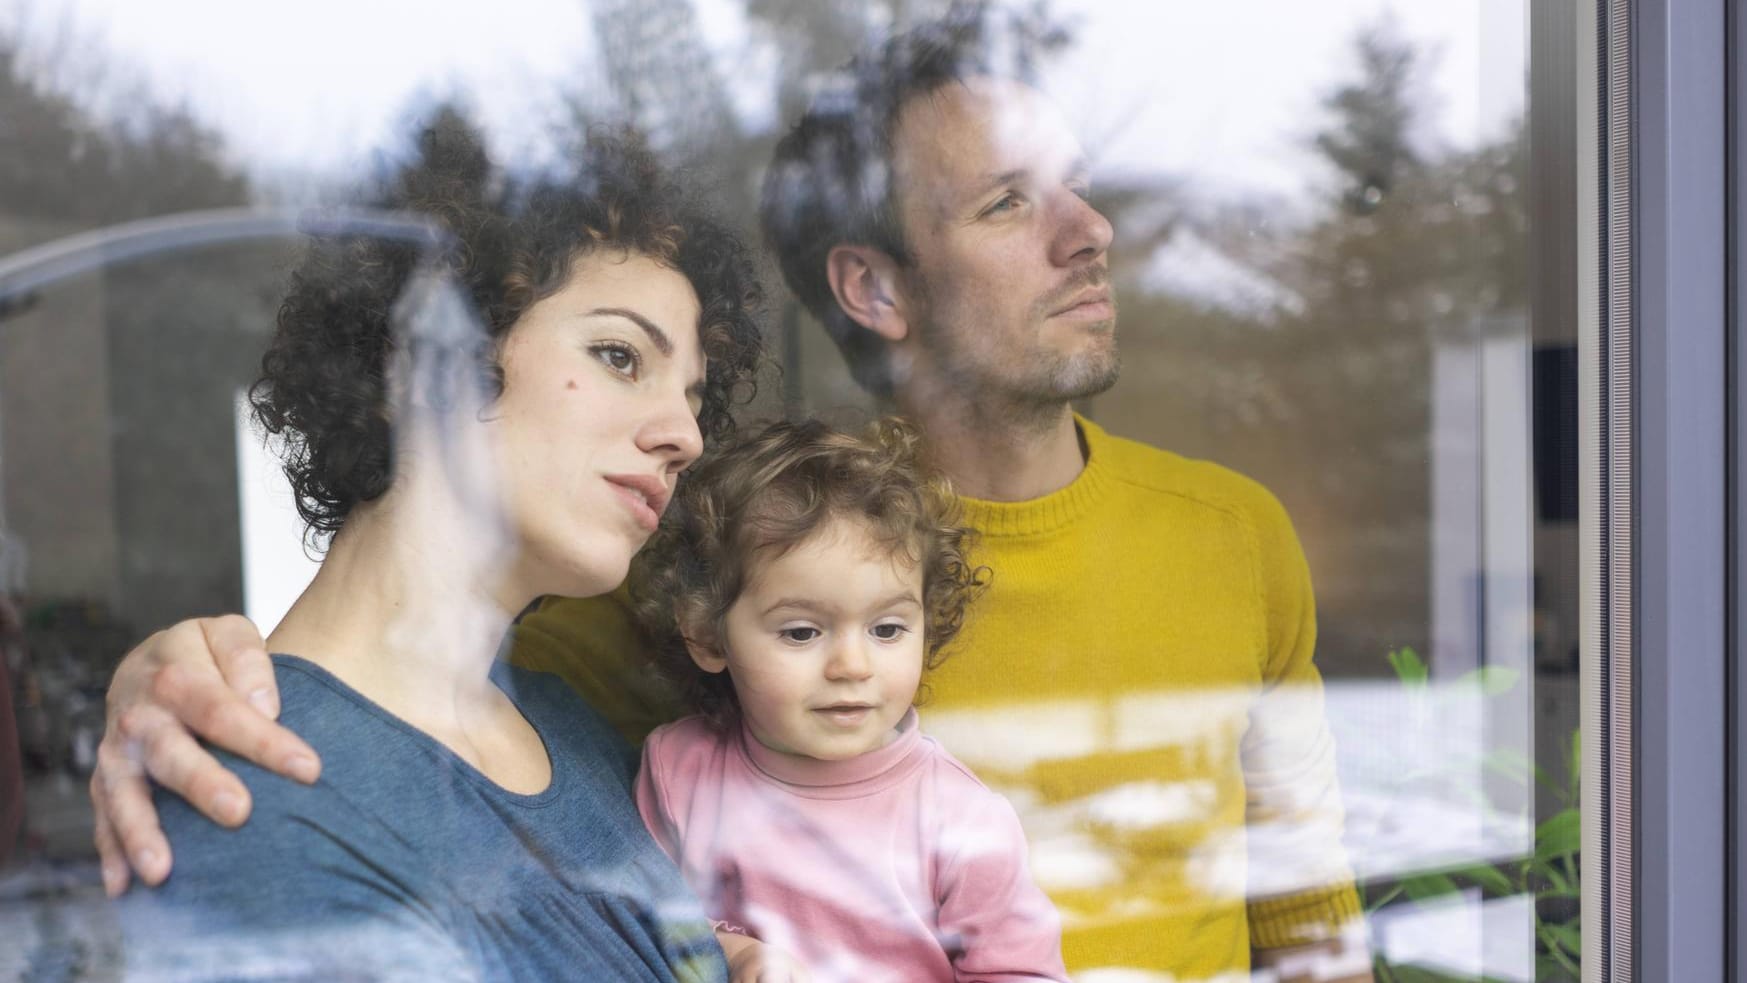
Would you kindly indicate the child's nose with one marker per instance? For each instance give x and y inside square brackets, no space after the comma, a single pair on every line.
[849,660]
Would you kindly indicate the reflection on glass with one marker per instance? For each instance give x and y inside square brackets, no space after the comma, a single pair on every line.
[1321,253]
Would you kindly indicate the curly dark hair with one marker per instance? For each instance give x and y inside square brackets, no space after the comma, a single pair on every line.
[323,384]
[830,178]
[768,492]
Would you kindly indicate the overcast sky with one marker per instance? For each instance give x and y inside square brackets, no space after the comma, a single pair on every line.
[1222,94]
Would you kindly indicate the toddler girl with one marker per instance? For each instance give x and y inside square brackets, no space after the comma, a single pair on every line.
[805,580]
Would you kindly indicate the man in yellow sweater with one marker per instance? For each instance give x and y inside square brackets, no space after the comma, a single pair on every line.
[1139,678]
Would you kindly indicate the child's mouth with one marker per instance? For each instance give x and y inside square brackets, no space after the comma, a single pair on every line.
[845,714]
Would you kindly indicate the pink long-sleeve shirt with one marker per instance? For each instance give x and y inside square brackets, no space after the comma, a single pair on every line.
[897,865]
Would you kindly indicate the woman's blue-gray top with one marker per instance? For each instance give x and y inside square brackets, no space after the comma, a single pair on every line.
[405,862]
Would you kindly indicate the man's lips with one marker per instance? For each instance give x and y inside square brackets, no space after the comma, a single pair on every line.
[645,495]
[1094,303]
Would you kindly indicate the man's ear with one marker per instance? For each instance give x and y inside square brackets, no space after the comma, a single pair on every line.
[865,281]
[706,656]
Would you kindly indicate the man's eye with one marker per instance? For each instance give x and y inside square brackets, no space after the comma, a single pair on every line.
[1005,203]
[621,358]
[890,631]
[799,636]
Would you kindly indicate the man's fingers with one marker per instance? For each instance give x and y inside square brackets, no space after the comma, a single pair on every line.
[242,659]
[136,826]
[128,809]
[177,761]
[112,860]
[218,714]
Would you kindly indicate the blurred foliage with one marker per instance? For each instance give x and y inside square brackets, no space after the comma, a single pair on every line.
[61,162]
[154,350]
[1549,874]
[1319,384]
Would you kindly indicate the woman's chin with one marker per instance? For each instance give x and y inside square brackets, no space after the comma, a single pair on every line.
[577,577]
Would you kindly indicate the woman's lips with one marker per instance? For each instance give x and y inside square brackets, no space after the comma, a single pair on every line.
[638,505]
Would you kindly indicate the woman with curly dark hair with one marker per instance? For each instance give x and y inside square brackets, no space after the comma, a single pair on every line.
[472,820]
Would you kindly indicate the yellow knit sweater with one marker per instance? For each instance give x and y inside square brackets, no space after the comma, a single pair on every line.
[1138,680]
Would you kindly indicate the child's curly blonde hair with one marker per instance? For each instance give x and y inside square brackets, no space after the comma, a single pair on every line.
[770,491]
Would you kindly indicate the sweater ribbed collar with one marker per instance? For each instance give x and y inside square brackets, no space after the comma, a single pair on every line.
[860,775]
[1050,512]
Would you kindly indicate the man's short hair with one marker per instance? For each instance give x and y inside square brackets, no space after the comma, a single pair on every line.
[829,181]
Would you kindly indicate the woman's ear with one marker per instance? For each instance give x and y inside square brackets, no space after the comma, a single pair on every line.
[706,656]
[865,282]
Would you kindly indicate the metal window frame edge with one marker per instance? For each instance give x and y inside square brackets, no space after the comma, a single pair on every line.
[1735,344]
[1656,534]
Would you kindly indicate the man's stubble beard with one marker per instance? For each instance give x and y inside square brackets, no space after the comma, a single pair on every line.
[1035,389]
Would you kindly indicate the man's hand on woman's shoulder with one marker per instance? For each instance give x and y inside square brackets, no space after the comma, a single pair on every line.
[205,678]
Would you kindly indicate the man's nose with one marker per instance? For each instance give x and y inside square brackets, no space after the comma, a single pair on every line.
[1083,234]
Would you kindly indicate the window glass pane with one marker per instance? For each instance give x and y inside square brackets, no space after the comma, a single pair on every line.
[1276,661]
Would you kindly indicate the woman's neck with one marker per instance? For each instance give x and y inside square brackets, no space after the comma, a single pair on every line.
[405,611]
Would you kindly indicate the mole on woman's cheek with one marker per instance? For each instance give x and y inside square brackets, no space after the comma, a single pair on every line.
[571,384]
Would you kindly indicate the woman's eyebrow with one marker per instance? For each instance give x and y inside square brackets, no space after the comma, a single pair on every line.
[658,337]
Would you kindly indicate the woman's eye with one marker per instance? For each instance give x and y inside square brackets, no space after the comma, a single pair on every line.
[799,636]
[890,631]
[1005,203]
[622,359]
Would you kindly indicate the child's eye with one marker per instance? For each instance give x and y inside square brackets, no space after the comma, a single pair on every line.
[619,357]
[799,636]
[890,631]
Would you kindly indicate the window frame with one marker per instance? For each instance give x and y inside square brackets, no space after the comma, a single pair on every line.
[1660,871]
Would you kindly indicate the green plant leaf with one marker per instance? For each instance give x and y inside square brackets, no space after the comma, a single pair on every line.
[1488,877]
[1408,666]
[1554,787]
[1560,885]
[1380,900]
[1424,887]
[1493,680]
[1559,836]
[1567,937]
[1548,968]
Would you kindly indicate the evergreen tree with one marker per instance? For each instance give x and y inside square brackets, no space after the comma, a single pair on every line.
[63,167]
[1370,141]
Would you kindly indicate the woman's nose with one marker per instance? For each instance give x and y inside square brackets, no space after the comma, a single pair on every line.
[672,434]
